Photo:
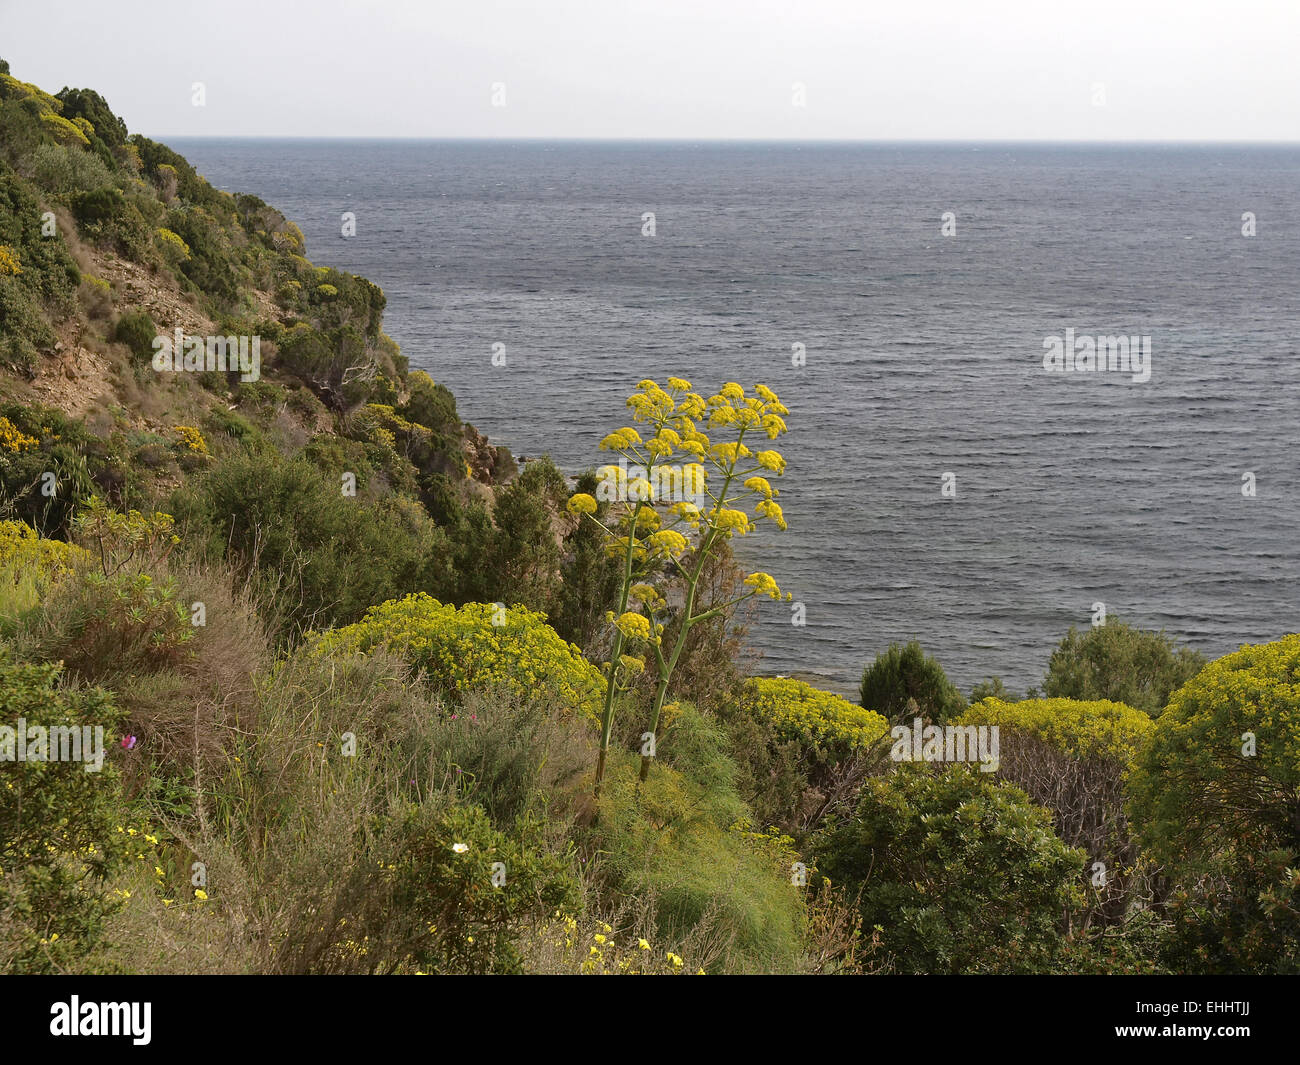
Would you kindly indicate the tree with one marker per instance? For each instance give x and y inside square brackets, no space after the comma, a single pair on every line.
[960,874]
[1121,664]
[905,673]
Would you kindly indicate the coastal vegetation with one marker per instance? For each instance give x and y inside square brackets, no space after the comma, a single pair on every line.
[374,697]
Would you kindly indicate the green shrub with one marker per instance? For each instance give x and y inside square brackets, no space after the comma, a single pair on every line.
[1196,789]
[1216,796]
[318,557]
[29,566]
[88,104]
[1074,758]
[1122,664]
[108,218]
[64,452]
[958,873]
[477,645]
[67,171]
[24,332]
[804,713]
[136,329]
[680,843]
[1079,728]
[382,861]
[905,674]
[61,839]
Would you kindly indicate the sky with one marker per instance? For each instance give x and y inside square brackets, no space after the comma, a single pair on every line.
[1110,70]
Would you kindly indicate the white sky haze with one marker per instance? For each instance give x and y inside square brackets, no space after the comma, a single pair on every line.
[1188,70]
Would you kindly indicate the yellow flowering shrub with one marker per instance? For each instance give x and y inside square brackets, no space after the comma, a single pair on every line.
[22,551]
[803,712]
[14,439]
[192,439]
[62,130]
[462,648]
[1223,764]
[175,242]
[9,261]
[1077,727]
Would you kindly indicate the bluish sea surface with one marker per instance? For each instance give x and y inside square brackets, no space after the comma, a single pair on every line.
[924,356]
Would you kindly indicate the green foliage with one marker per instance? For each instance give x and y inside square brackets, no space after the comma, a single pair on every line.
[1244,919]
[1197,791]
[318,557]
[958,873]
[680,839]
[60,828]
[521,562]
[64,450]
[1074,758]
[112,220]
[87,104]
[49,276]
[68,171]
[906,674]
[136,329]
[804,713]
[992,688]
[382,861]
[1122,664]
[24,333]
[29,566]
[589,581]
[211,261]
[477,645]
[1079,728]
[457,920]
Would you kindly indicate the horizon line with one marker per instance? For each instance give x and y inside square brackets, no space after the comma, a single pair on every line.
[992,141]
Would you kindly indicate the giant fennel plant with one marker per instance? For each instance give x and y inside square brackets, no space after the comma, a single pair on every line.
[679,496]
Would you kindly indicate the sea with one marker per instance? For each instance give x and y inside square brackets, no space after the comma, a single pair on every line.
[943,484]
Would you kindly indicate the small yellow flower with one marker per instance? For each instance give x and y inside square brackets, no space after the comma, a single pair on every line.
[582,503]
[643,944]
[634,626]
[763,584]
[200,894]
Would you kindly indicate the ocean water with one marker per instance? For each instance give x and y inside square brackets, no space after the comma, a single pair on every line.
[924,356]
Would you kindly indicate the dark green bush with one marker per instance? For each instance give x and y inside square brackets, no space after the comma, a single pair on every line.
[959,873]
[903,674]
[321,557]
[136,329]
[60,828]
[1122,664]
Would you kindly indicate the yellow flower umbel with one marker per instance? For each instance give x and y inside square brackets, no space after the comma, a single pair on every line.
[706,492]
